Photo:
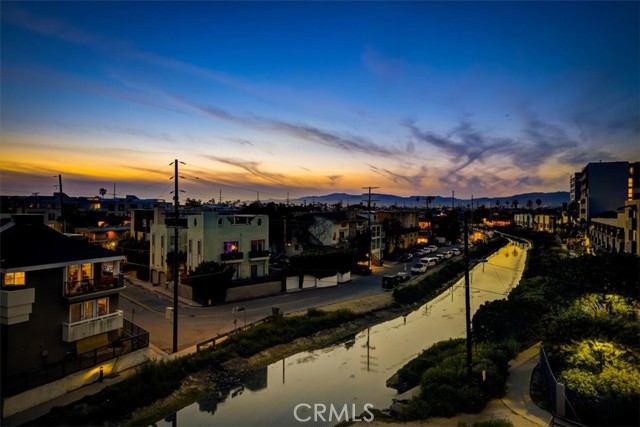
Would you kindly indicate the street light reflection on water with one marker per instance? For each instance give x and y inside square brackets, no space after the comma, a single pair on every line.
[353,373]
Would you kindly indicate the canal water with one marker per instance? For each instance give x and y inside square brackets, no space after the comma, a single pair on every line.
[323,387]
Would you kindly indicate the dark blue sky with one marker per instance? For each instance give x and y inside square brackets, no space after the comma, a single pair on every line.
[484,98]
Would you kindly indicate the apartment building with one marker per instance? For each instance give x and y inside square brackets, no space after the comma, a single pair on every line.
[619,234]
[605,186]
[60,320]
[241,241]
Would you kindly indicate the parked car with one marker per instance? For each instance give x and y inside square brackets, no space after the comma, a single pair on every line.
[429,261]
[432,248]
[418,268]
[455,251]
[390,282]
[403,276]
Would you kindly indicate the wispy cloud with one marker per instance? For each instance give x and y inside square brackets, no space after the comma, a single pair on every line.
[302,131]
[155,136]
[330,139]
[413,181]
[253,168]
[333,179]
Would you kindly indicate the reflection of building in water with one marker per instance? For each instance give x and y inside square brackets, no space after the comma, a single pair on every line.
[173,419]
[210,403]
[256,380]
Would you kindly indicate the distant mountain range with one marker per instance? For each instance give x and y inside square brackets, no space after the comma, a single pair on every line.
[549,200]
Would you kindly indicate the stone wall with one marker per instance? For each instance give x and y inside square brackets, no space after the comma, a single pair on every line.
[253,291]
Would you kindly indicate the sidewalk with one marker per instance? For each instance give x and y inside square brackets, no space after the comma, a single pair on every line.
[183,302]
[38,411]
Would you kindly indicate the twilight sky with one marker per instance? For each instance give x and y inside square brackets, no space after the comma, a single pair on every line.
[417,98]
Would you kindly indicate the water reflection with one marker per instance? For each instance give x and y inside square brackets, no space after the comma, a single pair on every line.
[339,375]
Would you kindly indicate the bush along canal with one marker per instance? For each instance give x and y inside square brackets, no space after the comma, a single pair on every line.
[347,380]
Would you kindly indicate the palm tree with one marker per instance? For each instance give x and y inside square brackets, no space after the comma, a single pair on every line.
[431,199]
[506,202]
[515,204]
[538,202]
[529,204]
[102,192]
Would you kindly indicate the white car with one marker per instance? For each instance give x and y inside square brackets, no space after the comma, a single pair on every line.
[418,268]
[429,261]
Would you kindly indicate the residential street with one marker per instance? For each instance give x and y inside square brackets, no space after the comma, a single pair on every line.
[145,305]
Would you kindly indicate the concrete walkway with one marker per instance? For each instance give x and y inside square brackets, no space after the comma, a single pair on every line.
[22,418]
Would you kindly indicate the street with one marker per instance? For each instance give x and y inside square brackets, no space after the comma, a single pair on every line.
[145,306]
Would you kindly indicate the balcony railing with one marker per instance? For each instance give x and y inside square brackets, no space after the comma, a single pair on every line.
[89,286]
[232,256]
[259,254]
[90,327]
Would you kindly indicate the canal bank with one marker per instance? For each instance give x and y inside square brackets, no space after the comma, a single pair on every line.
[356,369]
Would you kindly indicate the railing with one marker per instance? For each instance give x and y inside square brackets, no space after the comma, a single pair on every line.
[232,256]
[211,342]
[259,254]
[134,339]
[89,286]
[90,327]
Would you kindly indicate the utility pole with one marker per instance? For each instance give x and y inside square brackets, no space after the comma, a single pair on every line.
[114,190]
[176,278]
[369,216]
[64,224]
[467,296]
[283,287]
[472,211]
[453,198]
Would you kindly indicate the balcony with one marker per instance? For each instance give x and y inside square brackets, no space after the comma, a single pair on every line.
[87,328]
[16,305]
[254,255]
[232,256]
[105,285]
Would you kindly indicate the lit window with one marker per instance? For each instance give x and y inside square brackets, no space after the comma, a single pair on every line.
[230,247]
[80,273]
[14,279]
[88,310]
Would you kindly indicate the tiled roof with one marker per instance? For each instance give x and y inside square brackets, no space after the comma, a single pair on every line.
[29,244]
